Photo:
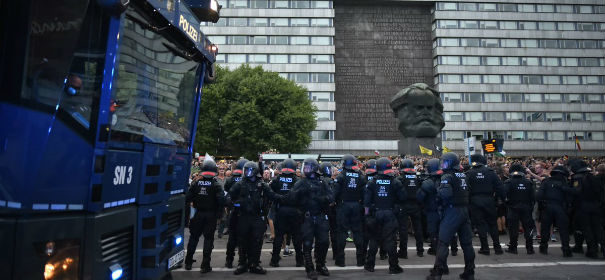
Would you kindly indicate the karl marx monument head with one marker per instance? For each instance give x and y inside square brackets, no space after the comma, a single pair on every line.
[419,111]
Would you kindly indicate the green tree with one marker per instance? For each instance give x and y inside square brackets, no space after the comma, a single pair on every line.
[249,110]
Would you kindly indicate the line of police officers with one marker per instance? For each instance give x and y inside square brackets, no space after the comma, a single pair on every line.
[375,207]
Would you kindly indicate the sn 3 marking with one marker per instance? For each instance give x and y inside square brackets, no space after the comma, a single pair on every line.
[120,175]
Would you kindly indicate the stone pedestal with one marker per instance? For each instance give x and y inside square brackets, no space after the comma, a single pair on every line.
[409,145]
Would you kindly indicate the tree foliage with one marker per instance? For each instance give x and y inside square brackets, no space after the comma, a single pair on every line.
[249,110]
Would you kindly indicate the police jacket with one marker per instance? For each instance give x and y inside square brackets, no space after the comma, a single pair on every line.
[349,186]
[370,176]
[555,191]
[576,182]
[312,196]
[519,191]
[452,190]
[206,195]
[483,182]
[411,184]
[229,182]
[427,194]
[383,192]
[282,185]
[591,193]
[249,197]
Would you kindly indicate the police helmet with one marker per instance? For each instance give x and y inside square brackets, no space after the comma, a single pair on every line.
[288,166]
[407,165]
[371,167]
[450,161]
[561,170]
[516,170]
[209,169]
[384,166]
[432,166]
[239,166]
[478,160]
[325,169]
[349,162]
[310,167]
[250,169]
[578,166]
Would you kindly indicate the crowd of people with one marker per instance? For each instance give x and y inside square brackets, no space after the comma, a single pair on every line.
[377,202]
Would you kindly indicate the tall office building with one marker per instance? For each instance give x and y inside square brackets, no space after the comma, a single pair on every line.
[530,72]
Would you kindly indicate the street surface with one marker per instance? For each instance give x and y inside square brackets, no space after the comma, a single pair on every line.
[506,266]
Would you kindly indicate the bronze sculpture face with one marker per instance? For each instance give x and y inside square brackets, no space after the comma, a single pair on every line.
[419,111]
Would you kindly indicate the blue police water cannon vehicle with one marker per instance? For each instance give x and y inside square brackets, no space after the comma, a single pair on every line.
[98,107]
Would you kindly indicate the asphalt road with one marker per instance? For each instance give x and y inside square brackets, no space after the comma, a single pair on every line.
[506,266]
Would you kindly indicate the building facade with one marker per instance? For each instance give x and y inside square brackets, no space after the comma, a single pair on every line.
[530,72]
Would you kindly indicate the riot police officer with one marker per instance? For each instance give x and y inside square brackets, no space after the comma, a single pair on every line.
[453,196]
[287,217]
[236,176]
[409,208]
[383,191]
[349,187]
[248,196]
[208,199]
[325,171]
[554,192]
[519,193]
[589,210]
[370,172]
[427,196]
[484,186]
[313,198]
[580,170]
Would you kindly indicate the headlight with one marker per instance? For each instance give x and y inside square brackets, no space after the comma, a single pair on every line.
[116,271]
[178,239]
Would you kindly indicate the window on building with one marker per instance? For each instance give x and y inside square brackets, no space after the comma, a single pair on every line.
[471,7]
[450,60]
[510,61]
[593,98]
[487,7]
[259,22]
[300,22]
[469,24]
[490,60]
[532,97]
[547,25]
[586,26]
[299,40]
[299,58]
[489,43]
[564,9]
[322,58]
[553,97]
[514,116]
[472,97]
[572,134]
[321,41]
[278,22]
[299,77]
[453,116]
[530,61]
[569,44]
[324,115]
[259,40]
[515,135]
[551,80]
[591,80]
[513,97]
[535,135]
[526,8]
[547,8]
[236,58]
[452,97]
[447,24]
[221,58]
[528,25]
[320,4]
[496,134]
[555,117]
[575,117]
[491,79]
[569,61]
[508,25]
[257,58]
[280,4]
[238,3]
[237,40]
[450,79]
[555,135]
[471,60]
[301,4]
[532,79]
[492,97]
[550,44]
[550,61]
[594,117]
[470,42]
[471,79]
[529,43]
[570,80]
[511,79]
[587,44]
[453,135]
[494,116]
[473,116]
[573,98]
[589,61]
[238,22]
[321,96]
[509,43]
[446,6]
[507,7]
[488,24]
[322,77]
[566,26]
[448,42]
[321,22]
[599,9]
[259,4]
[322,135]
[596,135]
[477,134]
[278,58]
[584,9]
[218,40]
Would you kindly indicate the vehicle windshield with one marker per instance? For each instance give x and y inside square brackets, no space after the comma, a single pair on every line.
[154,90]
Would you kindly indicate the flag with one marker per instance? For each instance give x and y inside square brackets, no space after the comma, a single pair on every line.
[575,137]
[376,152]
[446,150]
[424,150]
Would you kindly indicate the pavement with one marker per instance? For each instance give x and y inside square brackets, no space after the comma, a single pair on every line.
[506,266]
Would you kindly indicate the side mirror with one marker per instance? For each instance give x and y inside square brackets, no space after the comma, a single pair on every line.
[114,7]
[205,10]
